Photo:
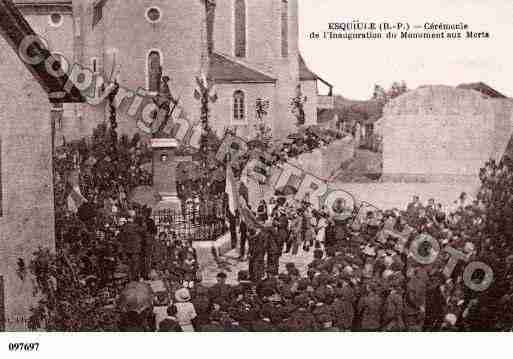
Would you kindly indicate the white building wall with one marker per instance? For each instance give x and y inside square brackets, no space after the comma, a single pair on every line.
[27,219]
[222,110]
[439,131]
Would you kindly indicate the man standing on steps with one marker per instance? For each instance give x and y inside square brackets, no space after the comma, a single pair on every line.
[257,250]
[132,238]
[232,224]
[243,229]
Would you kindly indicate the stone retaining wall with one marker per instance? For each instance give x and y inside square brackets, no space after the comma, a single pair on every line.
[321,163]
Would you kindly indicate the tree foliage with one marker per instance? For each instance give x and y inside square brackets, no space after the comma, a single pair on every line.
[395,90]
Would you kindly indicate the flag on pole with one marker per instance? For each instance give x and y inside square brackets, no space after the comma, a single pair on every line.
[75,198]
[248,216]
[231,190]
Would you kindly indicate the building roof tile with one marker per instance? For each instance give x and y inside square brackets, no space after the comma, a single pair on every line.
[226,70]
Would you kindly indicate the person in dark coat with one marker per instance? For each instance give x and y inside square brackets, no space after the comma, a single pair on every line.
[415,302]
[325,322]
[274,250]
[343,306]
[214,325]
[435,304]
[302,320]
[244,309]
[202,305]
[282,226]
[393,311]
[257,250]
[220,292]
[243,228]
[369,308]
[264,323]
[132,237]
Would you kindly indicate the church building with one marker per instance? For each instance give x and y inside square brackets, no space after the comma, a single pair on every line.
[247,48]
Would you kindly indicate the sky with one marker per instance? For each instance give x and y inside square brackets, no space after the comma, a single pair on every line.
[355,66]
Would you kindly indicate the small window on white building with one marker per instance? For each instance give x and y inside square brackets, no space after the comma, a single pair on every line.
[154,71]
[284,28]
[98,11]
[239,107]
[94,65]
[153,15]
[240,28]
[55,20]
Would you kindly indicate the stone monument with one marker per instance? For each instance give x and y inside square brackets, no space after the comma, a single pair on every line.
[164,167]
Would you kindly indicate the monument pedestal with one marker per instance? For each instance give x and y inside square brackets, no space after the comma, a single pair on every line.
[164,165]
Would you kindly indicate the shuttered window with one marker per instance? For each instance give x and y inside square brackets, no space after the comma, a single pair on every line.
[284,28]
[239,111]
[240,28]
[154,71]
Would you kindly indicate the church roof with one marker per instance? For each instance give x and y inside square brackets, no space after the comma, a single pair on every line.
[305,74]
[226,70]
[14,29]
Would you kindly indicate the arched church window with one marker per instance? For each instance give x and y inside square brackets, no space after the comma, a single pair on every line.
[154,71]
[284,28]
[239,110]
[240,28]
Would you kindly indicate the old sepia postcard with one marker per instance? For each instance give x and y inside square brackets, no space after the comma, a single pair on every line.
[255,166]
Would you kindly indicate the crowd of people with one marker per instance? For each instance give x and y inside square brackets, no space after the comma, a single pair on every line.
[363,276]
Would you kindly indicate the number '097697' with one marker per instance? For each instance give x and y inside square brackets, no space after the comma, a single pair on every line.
[23,347]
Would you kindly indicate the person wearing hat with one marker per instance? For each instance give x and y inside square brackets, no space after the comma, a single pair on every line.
[323,298]
[186,312]
[393,311]
[301,319]
[243,229]
[369,309]
[435,302]
[295,234]
[132,239]
[244,309]
[415,301]
[282,226]
[220,292]
[308,229]
[274,250]
[202,304]
[265,322]
[214,324]
[257,251]
[325,322]
[343,306]
[322,224]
